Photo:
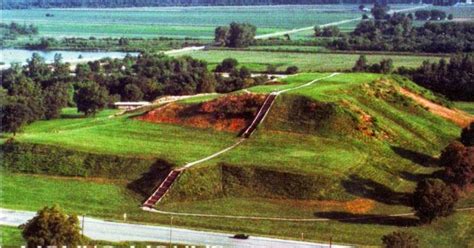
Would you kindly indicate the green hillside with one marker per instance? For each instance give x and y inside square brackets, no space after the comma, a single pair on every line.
[348,145]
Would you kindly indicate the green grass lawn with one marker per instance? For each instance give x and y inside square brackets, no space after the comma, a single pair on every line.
[125,136]
[465,106]
[307,62]
[448,232]
[11,236]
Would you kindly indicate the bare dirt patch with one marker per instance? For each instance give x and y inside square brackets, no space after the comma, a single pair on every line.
[357,206]
[230,113]
[459,117]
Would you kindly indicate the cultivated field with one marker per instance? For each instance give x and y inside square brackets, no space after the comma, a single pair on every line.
[175,21]
[307,62]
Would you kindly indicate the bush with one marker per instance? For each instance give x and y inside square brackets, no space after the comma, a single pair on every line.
[433,199]
[292,70]
[399,239]
[467,135]
[331,31]
[52,227]
[271,69]
[227,65]
[460,173]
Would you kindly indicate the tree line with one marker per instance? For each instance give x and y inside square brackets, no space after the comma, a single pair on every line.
[39,90]
[397,33]
[13,30]
[454,78]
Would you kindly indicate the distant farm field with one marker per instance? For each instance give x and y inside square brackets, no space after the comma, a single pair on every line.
[176,21]
[309,62]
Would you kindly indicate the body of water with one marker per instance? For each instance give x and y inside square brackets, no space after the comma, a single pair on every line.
[9,56]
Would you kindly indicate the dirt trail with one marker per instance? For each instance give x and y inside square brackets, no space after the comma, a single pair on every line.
[459,117]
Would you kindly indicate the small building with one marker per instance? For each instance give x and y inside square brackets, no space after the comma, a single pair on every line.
[130,105]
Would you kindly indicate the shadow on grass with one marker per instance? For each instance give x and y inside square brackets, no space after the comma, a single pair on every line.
[416,157]
[151,179]
[73,116]
[368,188]
[416,177]
[345,217]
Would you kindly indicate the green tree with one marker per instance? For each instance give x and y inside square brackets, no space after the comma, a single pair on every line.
[90,97]
[220,35]
[317,31]
[400,239]
[386,66]
[292,69]
[55,97]
[467,135]
[331,31]
[361,64]
[15,115]
[227,65]
[52,227]
[131,92]
[460,171]
[379,11]
[241,35]
[433,199]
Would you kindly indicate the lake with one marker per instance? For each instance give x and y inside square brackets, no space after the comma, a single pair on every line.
[9,56]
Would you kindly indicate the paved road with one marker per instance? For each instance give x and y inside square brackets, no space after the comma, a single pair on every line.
[292,31]
[113,231]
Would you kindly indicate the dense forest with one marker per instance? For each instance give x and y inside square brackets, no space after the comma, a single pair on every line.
[142,3]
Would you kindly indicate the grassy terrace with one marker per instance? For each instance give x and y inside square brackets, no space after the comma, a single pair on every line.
[126,136]
[449,232]
[259,60]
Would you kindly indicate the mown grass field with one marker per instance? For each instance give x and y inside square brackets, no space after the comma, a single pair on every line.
[358,167]
[465,106]
[448,232]
[307,62]
[125,136]
[176,21]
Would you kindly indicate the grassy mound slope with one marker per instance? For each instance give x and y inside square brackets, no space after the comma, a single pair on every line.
[354,135]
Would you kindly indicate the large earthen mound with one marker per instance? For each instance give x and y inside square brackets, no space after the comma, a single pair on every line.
[229,113]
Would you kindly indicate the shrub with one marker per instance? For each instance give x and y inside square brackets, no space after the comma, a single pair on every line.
[52,227]
[451,154]
[271,69]
[399,239]
[292,69]
[227,65]
[467,135]
[461,172]
[433,199]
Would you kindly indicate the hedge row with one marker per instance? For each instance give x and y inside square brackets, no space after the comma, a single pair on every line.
[225,180]
[52,160]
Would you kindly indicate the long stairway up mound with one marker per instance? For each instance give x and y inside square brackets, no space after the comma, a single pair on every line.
[162,189]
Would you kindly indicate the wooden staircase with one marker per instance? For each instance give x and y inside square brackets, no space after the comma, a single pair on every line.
[262,112]
[161,190]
